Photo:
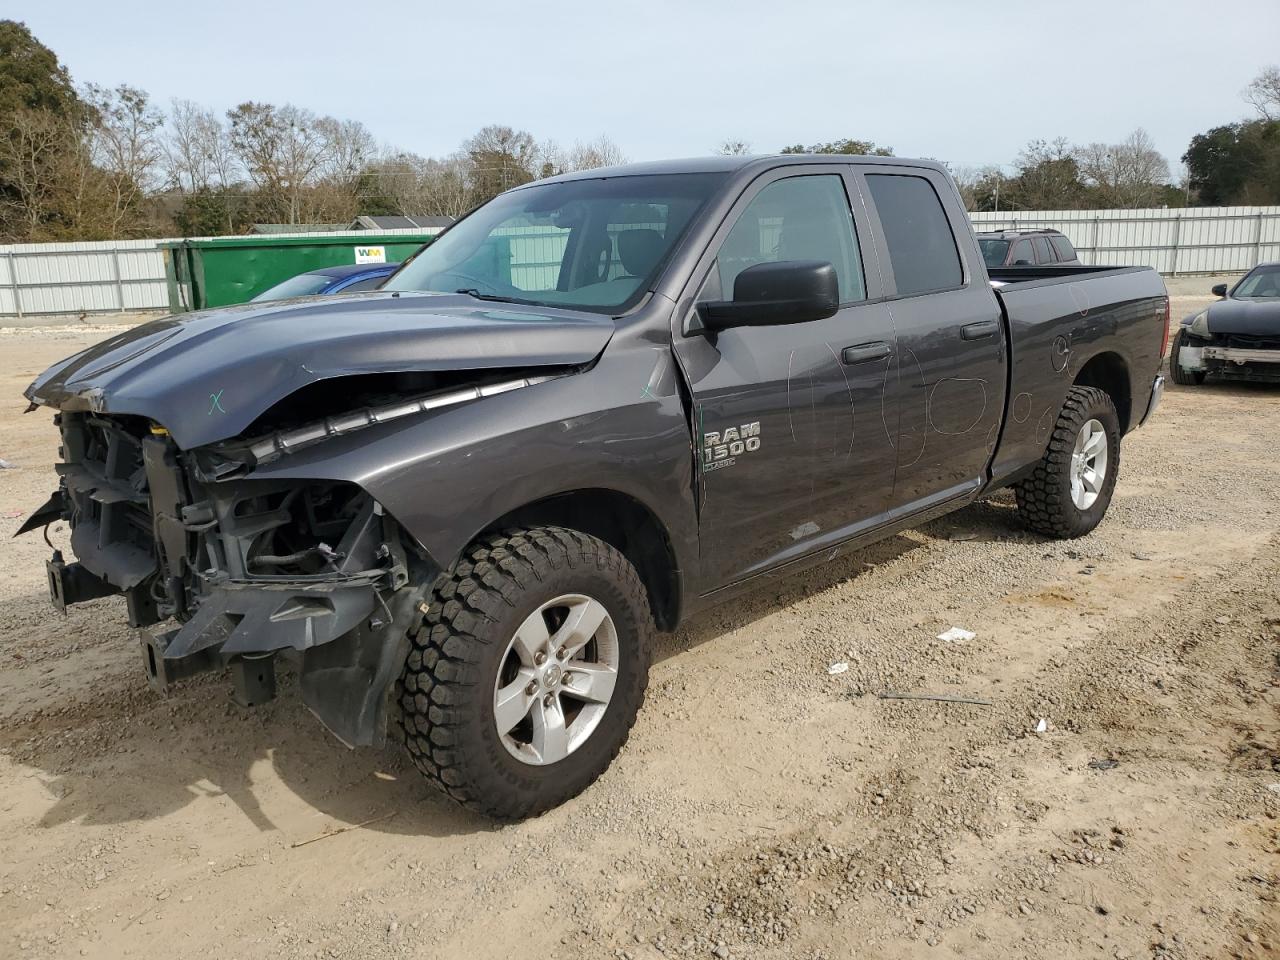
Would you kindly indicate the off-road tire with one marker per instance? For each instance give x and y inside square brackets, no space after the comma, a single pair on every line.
[1184,378]
[1044,498]
[447,688]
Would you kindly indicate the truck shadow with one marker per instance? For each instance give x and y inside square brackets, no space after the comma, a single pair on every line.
[118,753]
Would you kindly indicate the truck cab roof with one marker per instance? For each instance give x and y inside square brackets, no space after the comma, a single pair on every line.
[731,165]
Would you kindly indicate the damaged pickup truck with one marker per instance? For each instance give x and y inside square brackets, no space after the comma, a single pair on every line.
[462,505]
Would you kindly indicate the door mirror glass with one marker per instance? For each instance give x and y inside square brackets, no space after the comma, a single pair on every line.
[1219,290]
[785,291]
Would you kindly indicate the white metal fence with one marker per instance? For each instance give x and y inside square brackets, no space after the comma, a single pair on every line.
[102,276]
[127,275]
[1174,241]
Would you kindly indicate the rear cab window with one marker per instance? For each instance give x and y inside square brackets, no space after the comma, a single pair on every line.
[921,245]
[993,251]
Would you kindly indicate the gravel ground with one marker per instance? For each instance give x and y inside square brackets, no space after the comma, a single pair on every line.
[1118,797]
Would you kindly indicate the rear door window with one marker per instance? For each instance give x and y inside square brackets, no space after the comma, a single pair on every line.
[1043,253]
[1062,247]
[922,248]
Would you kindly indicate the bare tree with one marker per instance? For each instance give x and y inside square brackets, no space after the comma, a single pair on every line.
[600,152]
[282,149]
[349,149]
[197,154]
[734,148]
[416,185]
[1263,93]
[124,144]
[446,187]
[30,157]
[1127,174]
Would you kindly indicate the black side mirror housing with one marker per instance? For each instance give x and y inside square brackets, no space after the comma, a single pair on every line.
[1022,263]
[1219,290]
[787,291]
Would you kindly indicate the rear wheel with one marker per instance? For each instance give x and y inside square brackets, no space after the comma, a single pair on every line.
[1069,492]
[528,671]
[1186,378]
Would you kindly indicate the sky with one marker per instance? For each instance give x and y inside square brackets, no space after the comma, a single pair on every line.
[969,82]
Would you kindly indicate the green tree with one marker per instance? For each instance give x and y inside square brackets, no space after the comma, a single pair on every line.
[41,121]
[1048,178]
[863,148]
[31,78]
[499,158]
[1238,163]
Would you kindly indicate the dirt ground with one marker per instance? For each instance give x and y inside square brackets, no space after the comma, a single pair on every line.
[763,808]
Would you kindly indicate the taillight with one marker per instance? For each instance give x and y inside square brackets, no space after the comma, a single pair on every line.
[1166,316]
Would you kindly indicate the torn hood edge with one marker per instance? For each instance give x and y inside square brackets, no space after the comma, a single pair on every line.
[207,376]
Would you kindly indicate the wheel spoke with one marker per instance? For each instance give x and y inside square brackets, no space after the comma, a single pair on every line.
[1096,444]
[550,738]
[580,626]
[1091,480]
[511,703]
[531,638]
[592,682]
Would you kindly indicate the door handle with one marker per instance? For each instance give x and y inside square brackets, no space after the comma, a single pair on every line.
[980,330]
[865,351]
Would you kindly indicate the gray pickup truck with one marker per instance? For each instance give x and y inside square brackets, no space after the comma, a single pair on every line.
[461,505]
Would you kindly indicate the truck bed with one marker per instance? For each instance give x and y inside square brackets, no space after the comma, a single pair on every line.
[1058,317]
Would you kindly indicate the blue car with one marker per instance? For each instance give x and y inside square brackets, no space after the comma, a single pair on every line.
[327,280]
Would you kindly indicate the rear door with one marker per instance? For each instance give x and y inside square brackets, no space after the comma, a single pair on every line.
[951,370]
[794,423]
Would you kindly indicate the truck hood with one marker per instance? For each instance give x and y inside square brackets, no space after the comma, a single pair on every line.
[207,376]
[1247,317]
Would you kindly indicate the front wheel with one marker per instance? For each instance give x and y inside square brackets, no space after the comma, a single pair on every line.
[1070,489]
[528,671]
[1185,378]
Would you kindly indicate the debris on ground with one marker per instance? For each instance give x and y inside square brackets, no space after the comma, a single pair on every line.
[837,668]
[1104,764]
[940,697]
[956,635]
[1042,726]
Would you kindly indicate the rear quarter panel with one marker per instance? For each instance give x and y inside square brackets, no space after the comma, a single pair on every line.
[1056,327]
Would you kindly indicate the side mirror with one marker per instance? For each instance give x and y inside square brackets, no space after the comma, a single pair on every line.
[1219,290]
[1022,263]
[788,291]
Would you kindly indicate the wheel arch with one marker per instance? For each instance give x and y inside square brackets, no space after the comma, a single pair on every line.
[624,523]
[1109,372]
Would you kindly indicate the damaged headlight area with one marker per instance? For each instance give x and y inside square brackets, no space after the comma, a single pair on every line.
[243,570]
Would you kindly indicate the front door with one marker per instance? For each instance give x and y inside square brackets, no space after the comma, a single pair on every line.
[794,423]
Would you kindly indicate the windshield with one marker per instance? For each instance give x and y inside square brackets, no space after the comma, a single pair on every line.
[1260,282]
[994,251]
[303,285]
[589,244]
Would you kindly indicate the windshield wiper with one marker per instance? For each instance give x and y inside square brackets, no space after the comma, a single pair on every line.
[473,292]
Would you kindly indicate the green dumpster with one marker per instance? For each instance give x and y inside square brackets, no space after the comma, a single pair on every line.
[218,271]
